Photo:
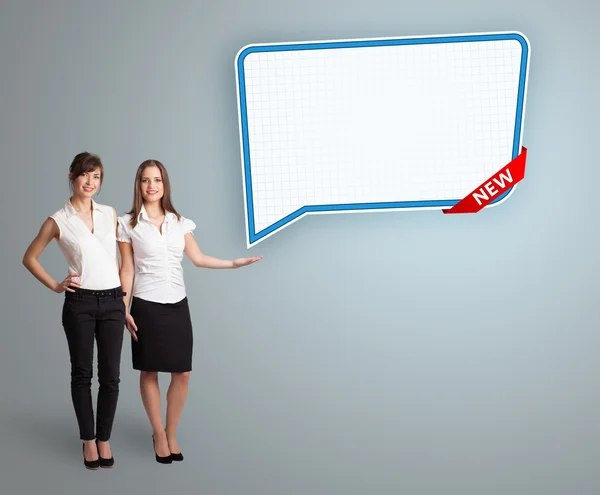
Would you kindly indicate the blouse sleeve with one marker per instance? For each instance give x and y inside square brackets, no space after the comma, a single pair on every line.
[187,225]
[123,230]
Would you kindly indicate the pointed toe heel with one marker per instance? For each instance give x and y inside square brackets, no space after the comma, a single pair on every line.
[107,463]
[104,462]
[161,460]
[91,465]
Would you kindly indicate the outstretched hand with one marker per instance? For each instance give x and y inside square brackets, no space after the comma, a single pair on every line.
[238,263]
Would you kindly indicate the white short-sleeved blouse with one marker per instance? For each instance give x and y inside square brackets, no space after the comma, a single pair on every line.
[157,256]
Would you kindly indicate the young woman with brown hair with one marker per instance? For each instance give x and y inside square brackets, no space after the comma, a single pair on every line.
[93,307]
[153,237]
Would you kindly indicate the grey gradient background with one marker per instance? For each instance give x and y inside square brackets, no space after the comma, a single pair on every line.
[392,353]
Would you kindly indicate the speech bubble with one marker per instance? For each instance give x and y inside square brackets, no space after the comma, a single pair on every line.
[410,123]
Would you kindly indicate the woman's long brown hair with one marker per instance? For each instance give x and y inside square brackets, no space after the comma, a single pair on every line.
[138,201]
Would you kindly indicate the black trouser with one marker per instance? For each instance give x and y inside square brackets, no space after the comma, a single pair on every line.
[99,315]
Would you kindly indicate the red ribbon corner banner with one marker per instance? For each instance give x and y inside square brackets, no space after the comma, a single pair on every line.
[507,177]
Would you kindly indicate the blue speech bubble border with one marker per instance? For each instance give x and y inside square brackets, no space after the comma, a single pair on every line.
[254,236]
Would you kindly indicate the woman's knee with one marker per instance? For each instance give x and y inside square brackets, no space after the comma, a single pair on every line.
[182,378]
[149,376]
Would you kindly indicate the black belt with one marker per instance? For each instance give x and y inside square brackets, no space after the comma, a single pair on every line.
[115,293]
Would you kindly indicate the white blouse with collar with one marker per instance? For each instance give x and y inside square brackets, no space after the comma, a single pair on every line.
[92,255]
[157,256]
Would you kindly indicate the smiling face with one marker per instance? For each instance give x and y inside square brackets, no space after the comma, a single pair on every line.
[152,187]
[87,184]
[86,174]
[151,184]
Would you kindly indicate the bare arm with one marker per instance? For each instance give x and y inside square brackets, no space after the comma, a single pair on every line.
[48,231]
[116,234]
[127,274]
[201,260]
[127,271]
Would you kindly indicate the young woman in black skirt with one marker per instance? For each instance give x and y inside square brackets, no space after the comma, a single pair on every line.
[93,308]
[153,237]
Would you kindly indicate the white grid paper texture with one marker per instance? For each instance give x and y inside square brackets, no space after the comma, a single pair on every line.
[377,124]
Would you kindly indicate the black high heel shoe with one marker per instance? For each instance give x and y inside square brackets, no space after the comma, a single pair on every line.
[104,462]
[162,460]
[92,465]
[177,457]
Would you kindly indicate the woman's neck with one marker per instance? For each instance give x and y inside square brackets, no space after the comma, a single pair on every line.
[81,204]
[154,209]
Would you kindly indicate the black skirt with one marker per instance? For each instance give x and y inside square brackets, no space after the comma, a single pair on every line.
[165,337]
